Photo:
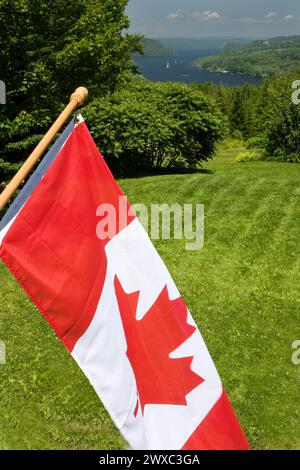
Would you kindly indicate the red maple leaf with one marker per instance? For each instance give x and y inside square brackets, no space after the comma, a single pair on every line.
[150,341]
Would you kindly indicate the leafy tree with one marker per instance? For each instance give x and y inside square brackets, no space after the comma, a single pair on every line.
[240,104]
[49,48]
[152,125]
[223,95]
[244,114]
[281,119]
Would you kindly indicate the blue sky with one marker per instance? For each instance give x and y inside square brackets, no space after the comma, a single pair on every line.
[214,18]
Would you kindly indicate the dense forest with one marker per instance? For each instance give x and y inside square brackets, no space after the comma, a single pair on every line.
[262,118]
[260,58]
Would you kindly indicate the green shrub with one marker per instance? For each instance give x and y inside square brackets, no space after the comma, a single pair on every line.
[279,156]
[7,170]
[153,125]
[232,143]
[248,156]
[293,158]
[257,142]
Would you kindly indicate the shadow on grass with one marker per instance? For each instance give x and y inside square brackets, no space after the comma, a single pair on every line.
[162,172]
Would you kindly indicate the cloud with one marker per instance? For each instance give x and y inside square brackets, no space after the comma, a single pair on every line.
[270,18]
[176,15]
[206,15]
[272,14]
[210,15]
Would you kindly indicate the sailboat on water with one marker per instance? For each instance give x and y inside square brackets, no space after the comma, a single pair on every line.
[168,65]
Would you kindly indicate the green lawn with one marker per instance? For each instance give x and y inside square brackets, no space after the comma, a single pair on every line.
[243,290]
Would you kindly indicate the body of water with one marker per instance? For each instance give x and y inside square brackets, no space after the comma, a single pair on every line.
[181,68]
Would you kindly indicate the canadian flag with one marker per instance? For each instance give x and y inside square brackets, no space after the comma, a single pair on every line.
[114,304]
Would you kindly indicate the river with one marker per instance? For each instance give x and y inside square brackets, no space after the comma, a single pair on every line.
[181,68]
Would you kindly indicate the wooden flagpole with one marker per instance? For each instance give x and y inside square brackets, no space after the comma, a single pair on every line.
[76,100]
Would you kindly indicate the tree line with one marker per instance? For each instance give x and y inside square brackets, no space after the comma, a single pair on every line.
[266,116]
[264,58]
[49,48]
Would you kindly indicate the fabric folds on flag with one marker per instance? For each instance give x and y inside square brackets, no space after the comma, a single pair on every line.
[114,304]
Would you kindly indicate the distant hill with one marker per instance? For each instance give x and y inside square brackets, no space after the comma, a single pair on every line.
[258,58]
[199,43]
[153,47]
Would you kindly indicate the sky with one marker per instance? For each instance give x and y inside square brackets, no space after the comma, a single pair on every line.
[214,18]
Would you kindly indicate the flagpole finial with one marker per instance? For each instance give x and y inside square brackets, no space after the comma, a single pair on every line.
[80,95]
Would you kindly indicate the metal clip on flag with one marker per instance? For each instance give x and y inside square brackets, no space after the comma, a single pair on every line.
[111,300]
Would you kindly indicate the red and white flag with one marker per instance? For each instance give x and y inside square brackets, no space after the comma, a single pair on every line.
[114,304]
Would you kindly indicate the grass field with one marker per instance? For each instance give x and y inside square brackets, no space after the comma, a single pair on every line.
[243,290]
